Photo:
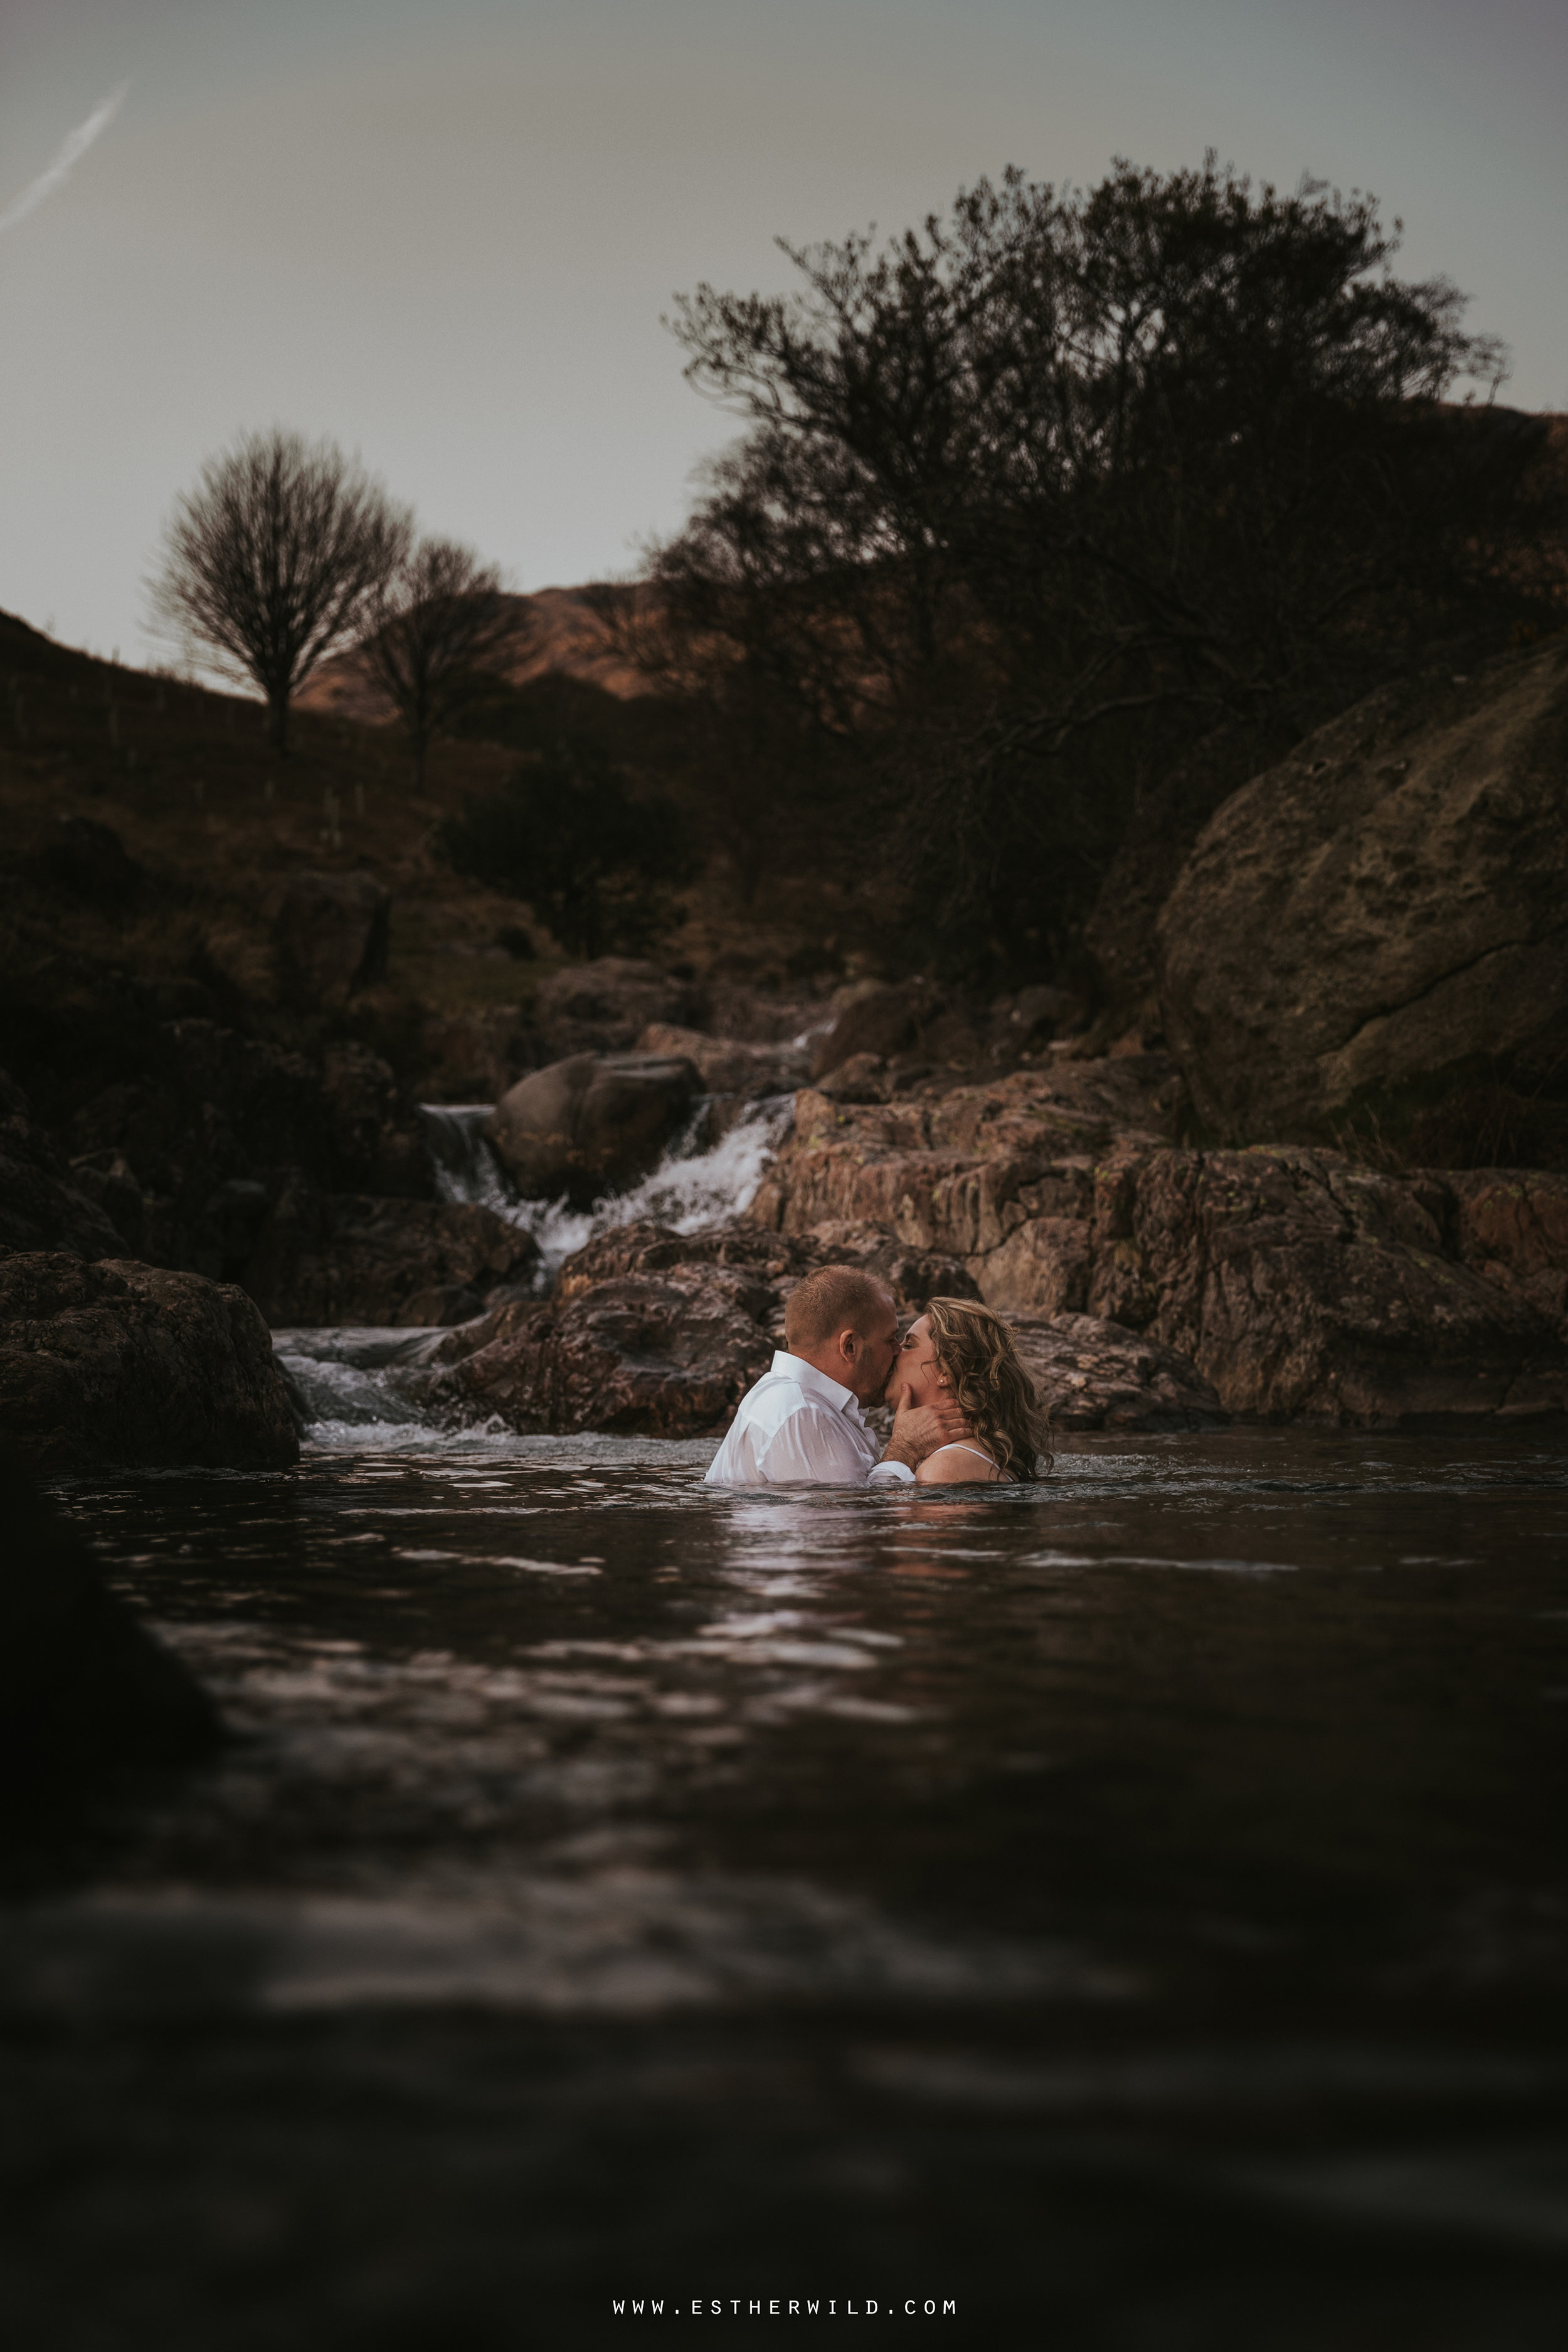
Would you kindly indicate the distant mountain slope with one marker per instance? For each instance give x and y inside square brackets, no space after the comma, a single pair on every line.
[560,631]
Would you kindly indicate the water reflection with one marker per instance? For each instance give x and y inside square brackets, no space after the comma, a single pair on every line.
[1203,1804]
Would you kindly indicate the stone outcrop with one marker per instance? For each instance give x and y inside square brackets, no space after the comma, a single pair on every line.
[335,1257]
[1299,1284]
[1367,926]
[604,1007]
[591,1124]
[1091,1374]
[83,1684]
[910,1018]
[123,1364]
[777,1261]
[668,1355]
[730,1066]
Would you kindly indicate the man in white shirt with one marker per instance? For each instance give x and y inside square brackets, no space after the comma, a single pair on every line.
[802,1422]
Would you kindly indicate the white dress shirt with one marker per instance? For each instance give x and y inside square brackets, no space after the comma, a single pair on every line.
[798,1427]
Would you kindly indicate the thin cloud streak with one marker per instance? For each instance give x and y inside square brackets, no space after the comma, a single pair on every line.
[73,147]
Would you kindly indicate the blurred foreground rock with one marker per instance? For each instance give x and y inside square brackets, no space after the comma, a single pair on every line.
[82,1683]
[122,1365]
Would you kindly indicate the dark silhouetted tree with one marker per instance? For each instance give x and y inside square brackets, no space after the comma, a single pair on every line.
[594,860]
[274,561]
[1038,496]
[440,626]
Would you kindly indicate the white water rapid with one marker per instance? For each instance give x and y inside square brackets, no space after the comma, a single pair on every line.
[690,1187]
[362,1389]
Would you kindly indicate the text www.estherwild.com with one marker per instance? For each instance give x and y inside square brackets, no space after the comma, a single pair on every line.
[779,2306]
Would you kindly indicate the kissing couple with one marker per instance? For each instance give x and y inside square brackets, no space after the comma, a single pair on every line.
[964,1407]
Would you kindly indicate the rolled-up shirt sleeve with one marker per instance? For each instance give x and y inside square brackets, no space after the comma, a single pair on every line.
[891,1473]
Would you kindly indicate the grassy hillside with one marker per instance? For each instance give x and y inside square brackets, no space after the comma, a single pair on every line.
[186,780]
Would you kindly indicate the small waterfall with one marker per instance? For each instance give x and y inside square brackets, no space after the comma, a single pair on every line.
[365,1390]
[692,1185]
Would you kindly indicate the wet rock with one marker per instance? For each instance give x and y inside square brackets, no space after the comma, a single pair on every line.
[1510,1227]
[1091,1374]
[329,935]
[863,1078]
[954,1169]
[83,1685]
[604,1007]
[1307,1288]
[728,1065]
[1302,1285]
[648,1247]
[323,1257]
[1367,925]
[44,1202]
[590,1124]
[124,1364]
[666,1355]
[909,1017]
[772,1263]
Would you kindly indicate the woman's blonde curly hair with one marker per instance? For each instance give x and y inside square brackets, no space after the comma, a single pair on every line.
[976,1354]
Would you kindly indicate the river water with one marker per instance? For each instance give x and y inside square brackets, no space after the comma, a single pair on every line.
[1133,1911]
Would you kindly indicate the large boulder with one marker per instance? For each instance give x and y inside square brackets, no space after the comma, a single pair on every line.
[83,1684]
[44,1204]
[604,1007]
[592,1124]
[666,1355]
[129,1365]
[1384,916]
[334,1257]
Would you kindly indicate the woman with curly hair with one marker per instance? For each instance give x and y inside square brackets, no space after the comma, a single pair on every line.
[960,1350]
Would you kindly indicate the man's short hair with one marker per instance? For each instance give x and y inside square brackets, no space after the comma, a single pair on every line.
[834,1298]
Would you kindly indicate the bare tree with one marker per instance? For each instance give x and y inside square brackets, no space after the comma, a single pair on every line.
[438,627]
[275,558]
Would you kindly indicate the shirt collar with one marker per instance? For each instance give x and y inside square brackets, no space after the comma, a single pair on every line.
[786,1367]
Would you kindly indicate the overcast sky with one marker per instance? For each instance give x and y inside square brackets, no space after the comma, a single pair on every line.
[444,231]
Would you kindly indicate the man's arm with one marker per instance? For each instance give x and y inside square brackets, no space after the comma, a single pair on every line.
[917,1431]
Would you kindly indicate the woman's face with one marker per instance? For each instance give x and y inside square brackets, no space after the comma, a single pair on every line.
[915,1365]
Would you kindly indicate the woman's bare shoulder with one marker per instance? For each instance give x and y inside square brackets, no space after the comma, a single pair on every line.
[956,1465]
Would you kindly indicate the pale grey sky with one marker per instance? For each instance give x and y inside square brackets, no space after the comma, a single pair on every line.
[445,234]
